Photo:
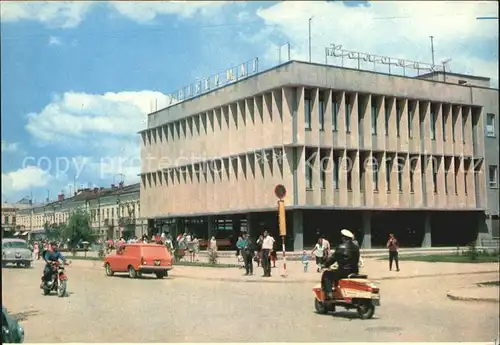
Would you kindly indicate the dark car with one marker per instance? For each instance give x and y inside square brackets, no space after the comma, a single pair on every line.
[12,331]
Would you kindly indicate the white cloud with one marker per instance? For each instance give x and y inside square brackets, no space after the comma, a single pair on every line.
[102,127]
[9,147]
[80,116]
[69,14]
[54,41]
[148,10]
[25,178]
[391,28]
[61,14]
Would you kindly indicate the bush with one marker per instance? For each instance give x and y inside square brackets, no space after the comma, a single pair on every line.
[472,251]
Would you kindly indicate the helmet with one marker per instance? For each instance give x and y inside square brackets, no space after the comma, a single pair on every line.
[347,233]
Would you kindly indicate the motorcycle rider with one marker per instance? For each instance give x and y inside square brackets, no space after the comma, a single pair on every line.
[51,256]
[347,257]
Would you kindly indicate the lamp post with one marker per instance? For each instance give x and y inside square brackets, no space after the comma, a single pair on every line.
[118,214]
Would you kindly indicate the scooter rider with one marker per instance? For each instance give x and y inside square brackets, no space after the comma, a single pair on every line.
[50,256]
[347,257]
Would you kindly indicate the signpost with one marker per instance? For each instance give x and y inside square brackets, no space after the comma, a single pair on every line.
[280,192]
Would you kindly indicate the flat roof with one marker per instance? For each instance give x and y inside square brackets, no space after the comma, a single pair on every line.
[419,77]
[454,75]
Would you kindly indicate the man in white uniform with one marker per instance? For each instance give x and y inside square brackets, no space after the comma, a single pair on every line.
[267,247]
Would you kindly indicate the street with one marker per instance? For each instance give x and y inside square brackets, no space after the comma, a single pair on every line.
[119,309]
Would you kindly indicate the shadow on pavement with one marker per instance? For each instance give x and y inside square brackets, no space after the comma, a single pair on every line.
[23,316]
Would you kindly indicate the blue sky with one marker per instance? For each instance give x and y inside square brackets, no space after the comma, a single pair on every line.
[79,78]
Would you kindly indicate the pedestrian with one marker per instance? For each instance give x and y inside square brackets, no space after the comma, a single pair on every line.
[393,246]
[247,253]
[196,247]
[274,257]
[267,247]
[36,251]
[318,252]
[305,260]
[326,246]
[258,255]
[239,247]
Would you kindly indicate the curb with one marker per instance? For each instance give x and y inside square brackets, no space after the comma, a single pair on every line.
[99,265]
[284,281]
[471,299]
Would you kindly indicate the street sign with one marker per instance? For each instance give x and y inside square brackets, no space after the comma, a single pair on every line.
[280,191]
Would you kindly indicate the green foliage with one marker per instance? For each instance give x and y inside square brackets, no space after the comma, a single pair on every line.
[472,251]
[78,229]
[53,232]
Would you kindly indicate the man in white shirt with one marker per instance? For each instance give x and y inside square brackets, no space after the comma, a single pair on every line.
[267,247]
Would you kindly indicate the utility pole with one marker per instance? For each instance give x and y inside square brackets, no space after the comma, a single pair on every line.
[432,49]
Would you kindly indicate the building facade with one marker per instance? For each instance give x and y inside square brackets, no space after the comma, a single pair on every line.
[113,212]
[355,149]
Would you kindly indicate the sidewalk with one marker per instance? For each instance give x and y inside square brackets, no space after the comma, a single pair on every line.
[476,294]
[375,269]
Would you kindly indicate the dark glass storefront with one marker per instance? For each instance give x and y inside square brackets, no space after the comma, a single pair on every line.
[446,228]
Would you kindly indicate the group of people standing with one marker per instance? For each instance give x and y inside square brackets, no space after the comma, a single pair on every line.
[262,252]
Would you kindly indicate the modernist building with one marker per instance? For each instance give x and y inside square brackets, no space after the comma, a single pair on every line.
[113,212]
[355,149]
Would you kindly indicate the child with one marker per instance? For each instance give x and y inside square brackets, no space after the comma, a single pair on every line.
[305,260]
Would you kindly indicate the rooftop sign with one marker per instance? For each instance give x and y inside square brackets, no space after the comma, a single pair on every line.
[213,82]
[392,64]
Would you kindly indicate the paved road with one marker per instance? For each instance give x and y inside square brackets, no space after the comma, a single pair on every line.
[118,309]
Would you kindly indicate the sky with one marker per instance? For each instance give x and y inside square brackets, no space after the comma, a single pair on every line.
[79,78]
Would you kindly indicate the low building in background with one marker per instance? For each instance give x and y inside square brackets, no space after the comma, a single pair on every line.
[113,212]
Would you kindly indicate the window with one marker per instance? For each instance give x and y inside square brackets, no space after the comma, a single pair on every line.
[400,167]
[387,115]
[445,119]
[374,116]
[455,176]
[375,167]
[321,115]
[493,176]
[398,119]
[490,125]
[348,109]
[349,178]
[433,123]
[446,181]
[309,173]
[388,169]
[466,174]
[454,115]
[335,113]
[464,124]
[322,173]
[307,109]
[410,120]
[412,181]
[434,175]
[336,172]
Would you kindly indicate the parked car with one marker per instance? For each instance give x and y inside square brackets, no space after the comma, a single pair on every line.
[139,258]
[12,332]
[16,251]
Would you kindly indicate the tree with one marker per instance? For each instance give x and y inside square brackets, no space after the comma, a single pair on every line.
[53,232]
[78,229]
